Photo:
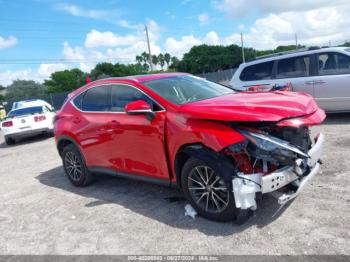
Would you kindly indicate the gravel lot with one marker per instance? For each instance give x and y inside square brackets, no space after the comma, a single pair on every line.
[42,213]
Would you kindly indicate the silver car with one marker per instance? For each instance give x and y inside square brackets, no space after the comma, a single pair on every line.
[322,72]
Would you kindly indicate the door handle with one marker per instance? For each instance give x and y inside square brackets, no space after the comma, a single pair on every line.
[309,82]
[114,123]
[76,120]
[319,82]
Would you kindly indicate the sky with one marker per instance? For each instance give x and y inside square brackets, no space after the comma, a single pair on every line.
[39,37]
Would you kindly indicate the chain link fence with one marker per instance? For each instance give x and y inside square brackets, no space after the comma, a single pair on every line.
[56,100]
[222,77]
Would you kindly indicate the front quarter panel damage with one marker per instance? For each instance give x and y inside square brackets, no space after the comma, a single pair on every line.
[182,132]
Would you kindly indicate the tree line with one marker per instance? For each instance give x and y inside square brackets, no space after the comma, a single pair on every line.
[200,59]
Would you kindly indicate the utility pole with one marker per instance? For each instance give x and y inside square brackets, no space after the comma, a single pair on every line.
[149,48]
[242,48]
[296,40]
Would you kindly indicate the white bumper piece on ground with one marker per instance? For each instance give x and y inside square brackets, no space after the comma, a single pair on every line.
[245,186]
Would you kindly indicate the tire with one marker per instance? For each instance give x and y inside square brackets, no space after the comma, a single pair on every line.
[50,134]
[9,141]
[222,210]
[75,168]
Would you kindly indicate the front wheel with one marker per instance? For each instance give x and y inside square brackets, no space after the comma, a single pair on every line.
[208,193]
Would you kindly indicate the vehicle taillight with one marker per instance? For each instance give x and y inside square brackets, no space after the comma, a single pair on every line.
[7,124]
[39,118]
[258,88]
[282,87]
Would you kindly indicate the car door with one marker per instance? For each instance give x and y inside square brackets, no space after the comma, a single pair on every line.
[297,70]
[90,125]
[332,86]
[137,146]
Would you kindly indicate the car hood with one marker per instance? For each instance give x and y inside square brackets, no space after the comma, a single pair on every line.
[267,106]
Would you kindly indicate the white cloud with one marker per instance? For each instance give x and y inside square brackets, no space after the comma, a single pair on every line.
[179,47]
[185,43]
[241,8]
[86,58]
[114,48]
[7,42]
[212,38]
[126,24]
[203,18]
[110,16]
[8,76]
[82,12]
[108,39]
[43,72]
[313,27]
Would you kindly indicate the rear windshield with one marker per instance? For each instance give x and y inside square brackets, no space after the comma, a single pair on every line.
[26,111]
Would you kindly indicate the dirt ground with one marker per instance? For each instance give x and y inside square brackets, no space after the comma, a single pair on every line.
[42,213]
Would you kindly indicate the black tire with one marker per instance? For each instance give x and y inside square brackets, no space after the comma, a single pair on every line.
[227,212]
[50,134]
[10,141]
[75,168]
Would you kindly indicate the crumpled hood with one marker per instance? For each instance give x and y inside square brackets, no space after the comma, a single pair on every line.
[267,106]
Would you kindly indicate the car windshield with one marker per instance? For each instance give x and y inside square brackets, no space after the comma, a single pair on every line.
[185,89]
[26,111]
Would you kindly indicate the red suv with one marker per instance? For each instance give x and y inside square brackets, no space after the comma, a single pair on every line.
[222,148]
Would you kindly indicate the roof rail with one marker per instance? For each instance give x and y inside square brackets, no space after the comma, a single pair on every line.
[287,52]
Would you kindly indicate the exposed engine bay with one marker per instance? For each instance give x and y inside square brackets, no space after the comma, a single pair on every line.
[273,159]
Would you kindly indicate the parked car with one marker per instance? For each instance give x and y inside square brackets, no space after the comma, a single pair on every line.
[222,148]
[323,73]
[31,102]
[27,120]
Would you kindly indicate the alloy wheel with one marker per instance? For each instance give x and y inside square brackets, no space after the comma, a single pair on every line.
[73,166]
[207,189]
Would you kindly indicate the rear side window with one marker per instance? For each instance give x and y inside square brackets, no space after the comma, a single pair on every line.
[293,67]
[96,99]
[333,64]
[121,95]
[78,100]
[260,71]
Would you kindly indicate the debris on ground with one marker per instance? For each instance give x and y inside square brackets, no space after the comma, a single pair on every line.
[190,212]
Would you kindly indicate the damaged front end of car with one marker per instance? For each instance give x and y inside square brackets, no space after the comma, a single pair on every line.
[275,159]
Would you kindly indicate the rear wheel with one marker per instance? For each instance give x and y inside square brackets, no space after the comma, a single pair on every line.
[208,193]
[9,141]
[74,166]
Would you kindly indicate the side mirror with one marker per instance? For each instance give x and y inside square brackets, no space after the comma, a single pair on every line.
[140,107]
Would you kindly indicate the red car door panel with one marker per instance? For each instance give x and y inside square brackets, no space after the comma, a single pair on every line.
[137,144]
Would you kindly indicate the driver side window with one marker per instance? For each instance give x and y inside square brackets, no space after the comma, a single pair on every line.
[121,95]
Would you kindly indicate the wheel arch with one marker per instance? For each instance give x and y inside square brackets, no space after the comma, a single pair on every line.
[63,141]
[222,163]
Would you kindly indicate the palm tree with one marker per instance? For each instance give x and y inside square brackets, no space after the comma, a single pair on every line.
[174,62]
[146,60]
[139,59]
[167,59]
[161,60]
[154,60]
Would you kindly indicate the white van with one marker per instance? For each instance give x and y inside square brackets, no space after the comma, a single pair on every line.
[322,72]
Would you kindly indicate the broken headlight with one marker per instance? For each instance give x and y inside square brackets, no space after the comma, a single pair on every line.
[271,144]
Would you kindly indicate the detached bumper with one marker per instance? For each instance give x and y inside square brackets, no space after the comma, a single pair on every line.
[246,186]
